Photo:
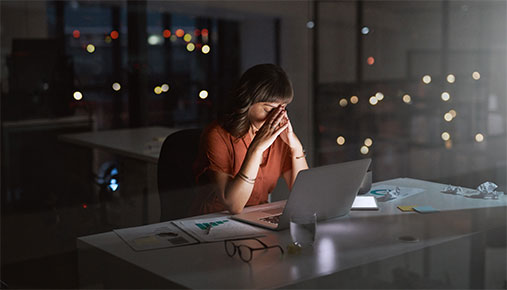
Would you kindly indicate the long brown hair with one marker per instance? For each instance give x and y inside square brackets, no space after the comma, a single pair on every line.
[260,83]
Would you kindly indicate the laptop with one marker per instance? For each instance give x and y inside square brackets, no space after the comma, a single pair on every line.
[327,190]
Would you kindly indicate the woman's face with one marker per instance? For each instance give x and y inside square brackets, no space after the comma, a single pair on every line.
[258,112]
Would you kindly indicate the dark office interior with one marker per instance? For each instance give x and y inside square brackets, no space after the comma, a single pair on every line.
[417,86]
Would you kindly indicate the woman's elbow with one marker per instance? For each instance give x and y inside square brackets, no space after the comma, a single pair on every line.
[234,209]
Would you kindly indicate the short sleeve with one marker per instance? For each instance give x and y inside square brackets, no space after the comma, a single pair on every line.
[218,152]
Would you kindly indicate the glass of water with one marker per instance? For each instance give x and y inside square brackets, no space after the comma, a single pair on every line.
[302,228]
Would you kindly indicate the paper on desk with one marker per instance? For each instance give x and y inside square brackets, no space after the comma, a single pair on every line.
[222,228]
[156,236]
[385,193]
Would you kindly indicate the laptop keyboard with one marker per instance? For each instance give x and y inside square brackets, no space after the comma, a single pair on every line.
[275,219]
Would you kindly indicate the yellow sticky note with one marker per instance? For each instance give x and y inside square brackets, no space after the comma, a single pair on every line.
[407,207]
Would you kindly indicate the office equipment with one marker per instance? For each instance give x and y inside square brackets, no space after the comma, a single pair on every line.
[337,187]
[364,203]
[175,179]
[345,254]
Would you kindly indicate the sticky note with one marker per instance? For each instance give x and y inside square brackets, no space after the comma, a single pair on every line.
[425,209]
[406,207]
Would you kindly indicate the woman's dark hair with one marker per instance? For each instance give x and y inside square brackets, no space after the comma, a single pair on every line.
[260,83]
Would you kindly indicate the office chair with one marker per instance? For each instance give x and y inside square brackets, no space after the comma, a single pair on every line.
[175,176]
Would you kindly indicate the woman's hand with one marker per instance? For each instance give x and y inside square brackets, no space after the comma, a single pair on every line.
[272,127]
[288,136]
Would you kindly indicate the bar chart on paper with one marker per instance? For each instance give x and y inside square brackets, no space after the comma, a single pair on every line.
[218,229]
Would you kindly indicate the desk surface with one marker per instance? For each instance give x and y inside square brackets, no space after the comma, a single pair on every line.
[139,143]
[359,238]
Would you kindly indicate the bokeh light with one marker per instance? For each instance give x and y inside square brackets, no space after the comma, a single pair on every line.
[370,60]
[180,33]
[368,142]
[365,30]
[354,99]
[451,78]
[78,95]
[204,32]
[157,90]
[448,117]
[114,34]
[116,86]
[190,46]
[476,75]
[445,96]
[76,33]
[187,37]
[154,39]
[364,150]
[205,49]
[203,94]
[90,48]
[343,102]
[373,100]
[407,99]
[445,136]
[479,137]
[426,79]
[165,88]
[340,140]
[166,33]
[453,113]
[379,96]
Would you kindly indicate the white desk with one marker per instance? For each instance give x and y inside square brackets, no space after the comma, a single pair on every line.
[138,143]
[359,250]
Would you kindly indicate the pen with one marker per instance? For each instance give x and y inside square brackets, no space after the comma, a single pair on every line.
[208,230]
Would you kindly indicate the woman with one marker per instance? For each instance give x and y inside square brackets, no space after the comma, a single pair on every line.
[243,154]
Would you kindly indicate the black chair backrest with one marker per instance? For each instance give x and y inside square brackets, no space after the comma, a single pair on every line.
[176,181]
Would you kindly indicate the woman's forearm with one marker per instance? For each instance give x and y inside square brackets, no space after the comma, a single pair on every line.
[298,163]
[238,191]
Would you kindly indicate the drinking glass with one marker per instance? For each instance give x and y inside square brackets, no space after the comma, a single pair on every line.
[302,228]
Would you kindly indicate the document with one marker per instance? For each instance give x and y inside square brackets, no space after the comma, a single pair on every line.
[218,229]
[156,236]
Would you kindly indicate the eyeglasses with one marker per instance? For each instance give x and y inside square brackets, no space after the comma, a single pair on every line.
[245,252]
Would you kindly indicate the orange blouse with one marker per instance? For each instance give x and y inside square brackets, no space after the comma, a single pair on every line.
[219,151]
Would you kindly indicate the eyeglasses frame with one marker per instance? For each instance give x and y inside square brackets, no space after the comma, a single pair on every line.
[238,250]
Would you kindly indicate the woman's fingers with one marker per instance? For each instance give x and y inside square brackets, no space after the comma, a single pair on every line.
[278,118]
[280,130]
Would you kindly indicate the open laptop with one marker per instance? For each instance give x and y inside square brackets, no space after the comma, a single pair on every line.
[328,191]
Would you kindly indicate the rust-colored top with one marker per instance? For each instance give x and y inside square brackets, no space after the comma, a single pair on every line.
[221,152]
